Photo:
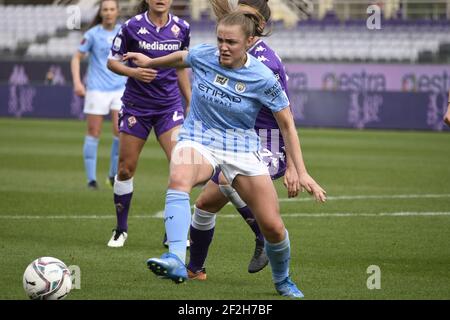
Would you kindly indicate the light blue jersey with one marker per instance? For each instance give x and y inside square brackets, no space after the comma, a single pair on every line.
[225,102]
[97,42]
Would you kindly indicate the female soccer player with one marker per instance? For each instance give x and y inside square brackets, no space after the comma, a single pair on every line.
[104,88]
[151,99]
[214,196]
[229,89]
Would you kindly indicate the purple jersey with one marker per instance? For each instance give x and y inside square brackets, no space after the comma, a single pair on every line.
[139,34]
[273,152]
[266,55]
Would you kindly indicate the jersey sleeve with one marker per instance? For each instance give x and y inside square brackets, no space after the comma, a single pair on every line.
[120,44]
[87,42]
[195,54]
[273,96]
[283,77]
[186,40]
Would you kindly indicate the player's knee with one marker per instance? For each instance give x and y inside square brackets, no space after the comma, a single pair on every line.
[205,204]
[94,131]
[178,181]
[125,171]
[274,232]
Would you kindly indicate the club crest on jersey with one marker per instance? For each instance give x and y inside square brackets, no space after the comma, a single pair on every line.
[240,87]
[221,80]
[131,121]
[175,30]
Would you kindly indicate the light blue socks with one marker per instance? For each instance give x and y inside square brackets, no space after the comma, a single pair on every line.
[90,157]
[114,159]
[177,219]
[279,255]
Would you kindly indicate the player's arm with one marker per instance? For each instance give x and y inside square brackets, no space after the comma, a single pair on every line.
[287,126]
[142,74]
[173,60]
[78,86]
[185,86]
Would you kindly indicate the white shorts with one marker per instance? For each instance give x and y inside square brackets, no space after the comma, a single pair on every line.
[231,163]
[102,102]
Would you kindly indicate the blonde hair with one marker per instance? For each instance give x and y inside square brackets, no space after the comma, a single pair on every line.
[251,23]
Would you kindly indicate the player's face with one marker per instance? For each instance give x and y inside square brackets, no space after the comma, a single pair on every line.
[233,45]
[109,12]
[159,6]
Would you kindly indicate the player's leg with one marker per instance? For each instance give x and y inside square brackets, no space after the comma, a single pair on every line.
[264,205]
[114,156]
[166,130]
[115,105]
[94,125]
[132,137]
[259,259]
[130,148]
[95,108]
[208,203]
[167,140]
[188,168]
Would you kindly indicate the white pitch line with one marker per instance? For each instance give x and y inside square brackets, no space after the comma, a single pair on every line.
[160,214]
[365,197]
[286,215]
[352,214]
[61,217]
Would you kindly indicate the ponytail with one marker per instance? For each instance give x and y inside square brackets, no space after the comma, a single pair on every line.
[257,11]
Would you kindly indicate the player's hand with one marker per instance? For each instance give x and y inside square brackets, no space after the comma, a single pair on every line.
[144,74]
[291,182]
[139,59]
[79,90]
[447,116]
[312,187]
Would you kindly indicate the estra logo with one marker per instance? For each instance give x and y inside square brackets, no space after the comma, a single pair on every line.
[426,82]
[361,81]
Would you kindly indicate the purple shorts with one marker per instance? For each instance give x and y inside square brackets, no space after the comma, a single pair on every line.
[141,126]
[275,162]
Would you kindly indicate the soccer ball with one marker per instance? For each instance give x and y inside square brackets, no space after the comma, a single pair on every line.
[47,278]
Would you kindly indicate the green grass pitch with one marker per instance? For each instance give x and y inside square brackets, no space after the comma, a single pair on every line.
[389,206]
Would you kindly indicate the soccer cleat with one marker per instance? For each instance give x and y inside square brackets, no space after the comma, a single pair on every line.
[92,185]
[259,259]
[110,182]
[165,242]
[118,239]
[287,288]
[168,266]
[198,275]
